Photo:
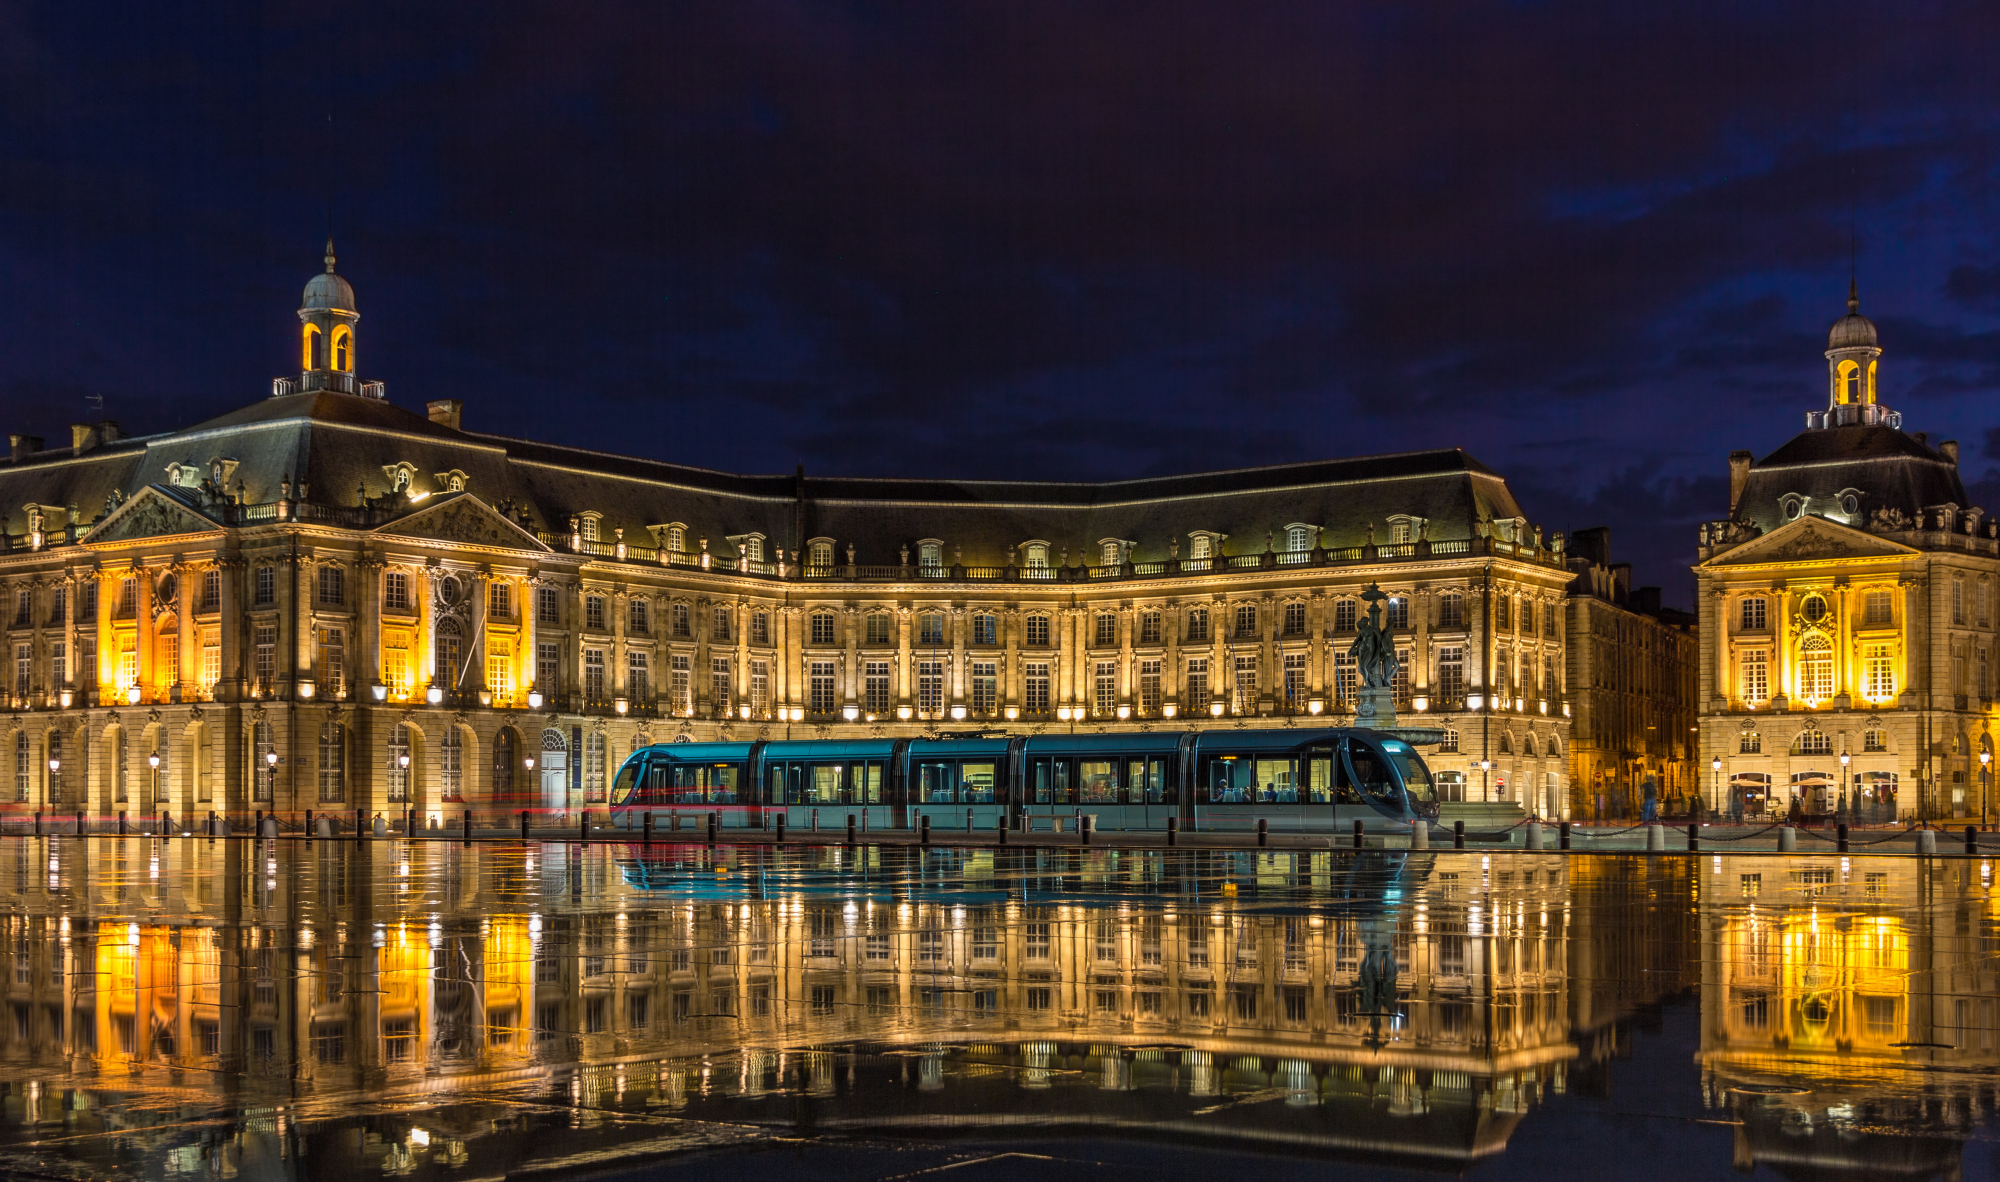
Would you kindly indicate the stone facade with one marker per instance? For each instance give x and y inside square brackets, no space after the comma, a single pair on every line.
[1632,671]
[324,601]
[1848,615]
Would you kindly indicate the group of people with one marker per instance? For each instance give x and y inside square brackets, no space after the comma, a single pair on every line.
[1876,805]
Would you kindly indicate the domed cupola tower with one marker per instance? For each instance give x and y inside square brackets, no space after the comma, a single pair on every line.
[1853,352]
[326,333]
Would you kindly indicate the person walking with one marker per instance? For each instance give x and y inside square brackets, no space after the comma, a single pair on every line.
[1736,804]
[1650,810]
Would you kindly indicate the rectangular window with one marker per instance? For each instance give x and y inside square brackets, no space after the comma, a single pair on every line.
[396,591]
[985,686]
[331,586]
[499,601]
[1035,688]
[679,620]
[1195,696]
[1344,616]
[1295,619]
[1754,618]
[822,628]
[760,627]
[1451,675]
[1983,601]
[1528,616]
[1244,697]
[59,600]
[1295,681]
[1396,614]
[24,669]
[930,628]
[1878,672]
[86,603]
[1037,630]
[720,628]
[332,660]
[1149,687]
[548,606]
[593,674]
[128,596]
[820,686]
[638,616]
[880,628]
[1197,625]
[1246,622]
[878,687]
[760,689]
[500,673]
[1344,677]
[59,663]
[1104,686]
[593,612]
[1107,630]
[720,689]
[1756,676]
[930,687]
[985,629]
[265,644]
[682,690]
[1503,606]
[548,665]
[1400,683]
[1957,600]
[211,657]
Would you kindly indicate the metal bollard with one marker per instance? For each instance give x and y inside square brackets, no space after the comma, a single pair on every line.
[968,822]
[38,823]
[1656,840]
[850,829]
[81,831]
[674,822]
[1001,825]
[815,821]
[1840,832]
[1788,840]
[1357,833]
[1173,830]
[648,839]
[1458,835]
[465,834]
[864,820]
[259,830]
[1562,835]
[1086,827]
[924,829]
[214,830]
[1926,842]
[309,825]
[583,825]
[524,824]
[714,823]
[1694,838]
[1971,836]
[1420,834]
[121,822]
[1263,832]
[360,824]
[781,828]
[1534,838]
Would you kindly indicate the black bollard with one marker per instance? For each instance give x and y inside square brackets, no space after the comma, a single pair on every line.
[465,832]
[524,824]
[924,829]
[713,821]
[850,829]
[583,825]
[1694,838]
[781,828]
[1458,835]
[1001,826]
[360,824]
[649,829]
[1263,832]
[1840,833]
[1357,833]
[259,830]
[1564,830]
[1971,837]
[1173,830]
[38,823]
[214,830]
[121,822]
[309,824]
[81,831]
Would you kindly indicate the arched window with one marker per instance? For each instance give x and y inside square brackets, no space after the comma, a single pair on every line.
[1199,546]
[753,548]
[399,764]
[1555,746]
[1109,554]
[1847,388]
[1038,556]
[822,552]
[446,654]
[1298,538]
[593,769]
[451,765]
[930,555]
[332,763]
[265,774]
[503,764]
[1815,742]
[1815,669]
[1528,745]
[343,349]
[677,539]
[1506,743]
[309,342]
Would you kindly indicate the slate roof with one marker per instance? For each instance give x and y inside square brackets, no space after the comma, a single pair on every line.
[341,444]
[1886,467]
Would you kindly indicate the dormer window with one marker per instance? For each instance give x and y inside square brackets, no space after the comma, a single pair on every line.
[930,554]
[1793,505]
[819,552]
[1035,555]
[1204,544]
[673,537]
[1112,551]
[1300,538]
[586,525]
[749,547]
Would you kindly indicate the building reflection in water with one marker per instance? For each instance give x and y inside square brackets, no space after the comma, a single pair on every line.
[224,1005]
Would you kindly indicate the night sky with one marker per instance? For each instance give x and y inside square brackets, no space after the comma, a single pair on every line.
[1596,244]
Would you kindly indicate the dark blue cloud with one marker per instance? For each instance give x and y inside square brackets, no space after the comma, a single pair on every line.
[1596,245]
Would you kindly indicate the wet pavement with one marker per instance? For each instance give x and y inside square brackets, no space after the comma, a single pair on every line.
[192,1008]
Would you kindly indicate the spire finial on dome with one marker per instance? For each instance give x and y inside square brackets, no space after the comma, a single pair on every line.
[329,263]
[1853,295]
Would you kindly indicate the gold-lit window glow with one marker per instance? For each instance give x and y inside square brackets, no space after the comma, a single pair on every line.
[1847,384]
[343,349]
[1815,669]
[1878,672]
[309,343]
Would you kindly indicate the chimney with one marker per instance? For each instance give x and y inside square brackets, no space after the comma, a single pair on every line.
[108,432]
[82,437]
[1592,544]
[1621,582]
[19,447]
[446,412]
[1949,450]
[1739,475]
[1923,438]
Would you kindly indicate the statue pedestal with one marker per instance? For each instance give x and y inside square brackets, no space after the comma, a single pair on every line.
[1375,707]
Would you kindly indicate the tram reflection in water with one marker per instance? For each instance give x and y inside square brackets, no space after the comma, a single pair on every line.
[1293,779]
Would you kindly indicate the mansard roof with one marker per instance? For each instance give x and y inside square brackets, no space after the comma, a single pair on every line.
[1883,467]
[344,445]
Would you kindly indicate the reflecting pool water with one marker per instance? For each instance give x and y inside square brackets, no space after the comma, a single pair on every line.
[239,1009]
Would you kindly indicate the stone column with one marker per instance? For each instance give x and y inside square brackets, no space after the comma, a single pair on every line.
[905,685]
[852,621]
[1220,669]
[1171,677]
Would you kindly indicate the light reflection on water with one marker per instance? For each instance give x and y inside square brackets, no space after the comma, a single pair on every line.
[436,1009]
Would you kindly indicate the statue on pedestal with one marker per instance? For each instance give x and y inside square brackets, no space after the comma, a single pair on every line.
[1374,649]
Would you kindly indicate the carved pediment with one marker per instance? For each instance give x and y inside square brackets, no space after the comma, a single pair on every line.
[1809,539]
[152,514]
[463,518]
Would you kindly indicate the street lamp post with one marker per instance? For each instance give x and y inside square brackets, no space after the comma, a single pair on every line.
[1845,759]
[1485,792]
[1985,784]
[1715,765]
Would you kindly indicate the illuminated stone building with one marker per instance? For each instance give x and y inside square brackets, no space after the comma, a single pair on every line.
[325,601]
[1633,665]
[1847,613]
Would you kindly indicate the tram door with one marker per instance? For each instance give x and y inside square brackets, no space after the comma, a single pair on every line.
[1047,788]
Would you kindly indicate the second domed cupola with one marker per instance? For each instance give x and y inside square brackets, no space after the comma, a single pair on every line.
[1853,356]
[327,318]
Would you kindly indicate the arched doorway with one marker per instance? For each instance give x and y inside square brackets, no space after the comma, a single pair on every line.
[506,757]
[555,770]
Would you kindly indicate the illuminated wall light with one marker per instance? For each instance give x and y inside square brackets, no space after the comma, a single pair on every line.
[1215,708]
[434,695]
[958,712]
[1124,713]
[1168,710]
[306,688]
[1315,706]
[903,713]
[850,712]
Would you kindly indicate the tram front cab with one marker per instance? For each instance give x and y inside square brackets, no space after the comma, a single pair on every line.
[1313,780]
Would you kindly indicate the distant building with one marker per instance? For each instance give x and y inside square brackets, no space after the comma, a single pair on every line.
[1848,614]
[324,601]
[1633,667]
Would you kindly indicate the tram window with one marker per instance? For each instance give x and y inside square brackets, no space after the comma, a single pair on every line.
[823,783]
[1229,781]
[978,780]
[722,783]
[937,783]
[1416,777]
[1148,780]
[1275,783]
[1041,782]
[660,783]
[776,793]
[868,782]
[1065,788]
[1319,779]
[1371,774]
[628,778]
[1099,778]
